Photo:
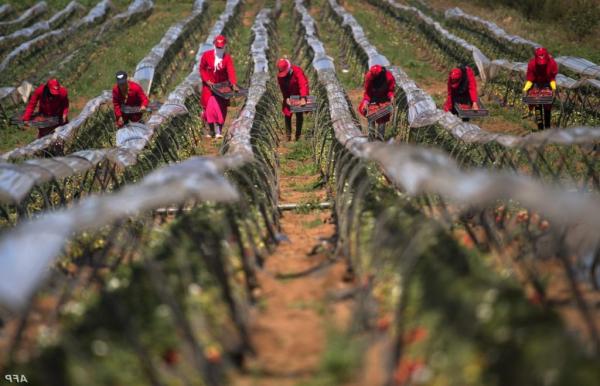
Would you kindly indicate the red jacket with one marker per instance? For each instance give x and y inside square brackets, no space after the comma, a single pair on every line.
[294,84]
[542,74]
[384,93]
[463,93]
[226,71]
[135,97]
[56,106]
[381,94]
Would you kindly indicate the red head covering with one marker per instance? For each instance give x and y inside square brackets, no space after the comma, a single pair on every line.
[455,77]
[53,86]
[283,66]
[376,70]
[541,56]
[220,41]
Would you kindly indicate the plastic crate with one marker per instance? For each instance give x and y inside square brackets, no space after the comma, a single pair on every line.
[377,111]
[465,110]
[297,107]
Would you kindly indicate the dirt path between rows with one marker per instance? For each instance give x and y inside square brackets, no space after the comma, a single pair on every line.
[289,326]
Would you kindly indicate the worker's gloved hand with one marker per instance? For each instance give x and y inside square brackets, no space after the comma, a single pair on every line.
[527,86]
[302,101]
[120,122]
[553,85]
[287,101]
[235,88]
[209,83]
[475,106]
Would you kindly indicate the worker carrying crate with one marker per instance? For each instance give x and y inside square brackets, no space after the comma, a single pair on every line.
[294,89]
[540,86]
[462,98]
[378,98]
[52,102]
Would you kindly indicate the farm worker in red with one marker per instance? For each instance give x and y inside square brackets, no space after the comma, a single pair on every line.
[541,73]
[462,89]
[216,66]
[379,87]
[53,101]
[127,93]
[292,81]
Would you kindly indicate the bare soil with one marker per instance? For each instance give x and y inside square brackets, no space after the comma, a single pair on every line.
[288,328]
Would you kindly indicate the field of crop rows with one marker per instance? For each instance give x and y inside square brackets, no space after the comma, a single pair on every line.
[449,253]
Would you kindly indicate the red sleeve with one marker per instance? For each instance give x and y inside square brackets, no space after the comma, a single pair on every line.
[531,71]
[391,82]
[361,107]
[448,103]
[142,95]
[472,85]
[65,110]
[230,69]
[116,103]
[553,69]
[33,101]
[302,81]
[367,86]
[203,68]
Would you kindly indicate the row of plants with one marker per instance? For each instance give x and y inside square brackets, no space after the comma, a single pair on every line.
[446,313]
[167,304]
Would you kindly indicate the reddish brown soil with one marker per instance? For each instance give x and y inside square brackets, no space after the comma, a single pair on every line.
[288,328]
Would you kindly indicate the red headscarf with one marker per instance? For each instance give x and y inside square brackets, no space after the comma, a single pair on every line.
[455,77]
[541,56]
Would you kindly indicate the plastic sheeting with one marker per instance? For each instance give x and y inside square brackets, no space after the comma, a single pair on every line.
[28,250]
[40,27]
[25,17]
[137,10]
[218,27]
[96,15]
[580,66]
[419,170]
[175,105]
[136,139]
[345,128]
[5,9]
[425,113]
[16,95]
[470,133]
[359,36]
[496,66]
[17,180]
[422,110]
[62,133]
[241,127]
[489,69]
[146,68]
[480,60]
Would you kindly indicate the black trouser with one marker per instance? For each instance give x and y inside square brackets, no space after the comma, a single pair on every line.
[288,125]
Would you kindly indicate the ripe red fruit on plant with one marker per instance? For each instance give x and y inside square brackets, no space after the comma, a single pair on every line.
[212,354]
[384,322]
[406,369]
[170,356]
[415,335]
